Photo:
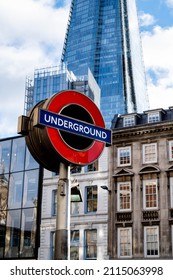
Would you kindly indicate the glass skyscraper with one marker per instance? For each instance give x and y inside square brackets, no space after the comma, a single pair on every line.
[103,35]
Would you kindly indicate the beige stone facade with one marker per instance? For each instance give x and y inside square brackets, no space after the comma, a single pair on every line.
[141,189]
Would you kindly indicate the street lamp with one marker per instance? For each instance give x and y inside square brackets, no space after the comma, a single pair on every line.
[76,195]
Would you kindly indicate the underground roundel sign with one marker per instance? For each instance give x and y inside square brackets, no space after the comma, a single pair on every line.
[68,126]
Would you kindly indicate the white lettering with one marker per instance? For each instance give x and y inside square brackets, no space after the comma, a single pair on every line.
[60,122]
[70,126]
[66,124]
[89,131]
[81,128]
[86,130]
[92,131]
[98,133]
[45,118]
[54,120]
[104,135]
[76,127]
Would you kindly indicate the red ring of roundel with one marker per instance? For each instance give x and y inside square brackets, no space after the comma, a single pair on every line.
[56,104]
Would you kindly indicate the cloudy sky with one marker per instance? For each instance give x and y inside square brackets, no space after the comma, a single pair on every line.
[31,36]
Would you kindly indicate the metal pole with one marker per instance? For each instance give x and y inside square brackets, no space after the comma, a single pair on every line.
[68,214]
[62,219]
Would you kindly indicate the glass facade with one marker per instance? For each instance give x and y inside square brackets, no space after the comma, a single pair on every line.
[104,36]
[50,80]
[20,183]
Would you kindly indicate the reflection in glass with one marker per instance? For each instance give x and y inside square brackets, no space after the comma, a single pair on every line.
[74,253]
[91,198]
[74,245]
[91,243]
[18,188]
[3,196]
[30,163]
[5,150]
[3,210]
[30,188]
[15,190]
[12,241]
[18,154]
[28,232]
[2,239]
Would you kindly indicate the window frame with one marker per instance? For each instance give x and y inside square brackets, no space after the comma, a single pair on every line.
[171,191]
[92,199]
[52,245]
[86,245]
[54,202]
[119,150]
[128,121]
[153,117]
[74,244]
[145,241]
[93,167]
[171,152]
[144,194]
[125,244]
[144,153]
[119,209]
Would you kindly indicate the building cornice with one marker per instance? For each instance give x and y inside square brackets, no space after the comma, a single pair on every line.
[142,130]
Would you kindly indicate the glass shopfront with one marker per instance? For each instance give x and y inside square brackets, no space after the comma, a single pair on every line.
[20,200]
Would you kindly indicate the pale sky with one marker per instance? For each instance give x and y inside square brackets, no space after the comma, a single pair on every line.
[32,34]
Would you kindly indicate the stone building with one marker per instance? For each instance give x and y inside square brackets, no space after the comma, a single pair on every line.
[89,218]
[141,186]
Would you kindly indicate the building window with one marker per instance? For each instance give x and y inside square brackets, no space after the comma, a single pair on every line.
[74,245]
[52,245]
[128,121]
[153,117]
[150,153]
[124,196]
[150,194]
[124,242]
[13,233]
[55,174]
[2,239]
[31,188]
[124,156]
[91,199]
[28,232]
[76,169]
[151,241]
[171,192]
[170,150]
[54,202]
[91,244]
[91,167]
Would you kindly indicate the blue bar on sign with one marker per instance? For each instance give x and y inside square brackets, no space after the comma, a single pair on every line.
[71,125]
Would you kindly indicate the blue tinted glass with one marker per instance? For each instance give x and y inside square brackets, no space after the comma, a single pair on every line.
[3,195]
[28,227]
[5,153]
[15,190]
[104,36]
[30,162]
[12,242]
[18,154]
[30,188]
